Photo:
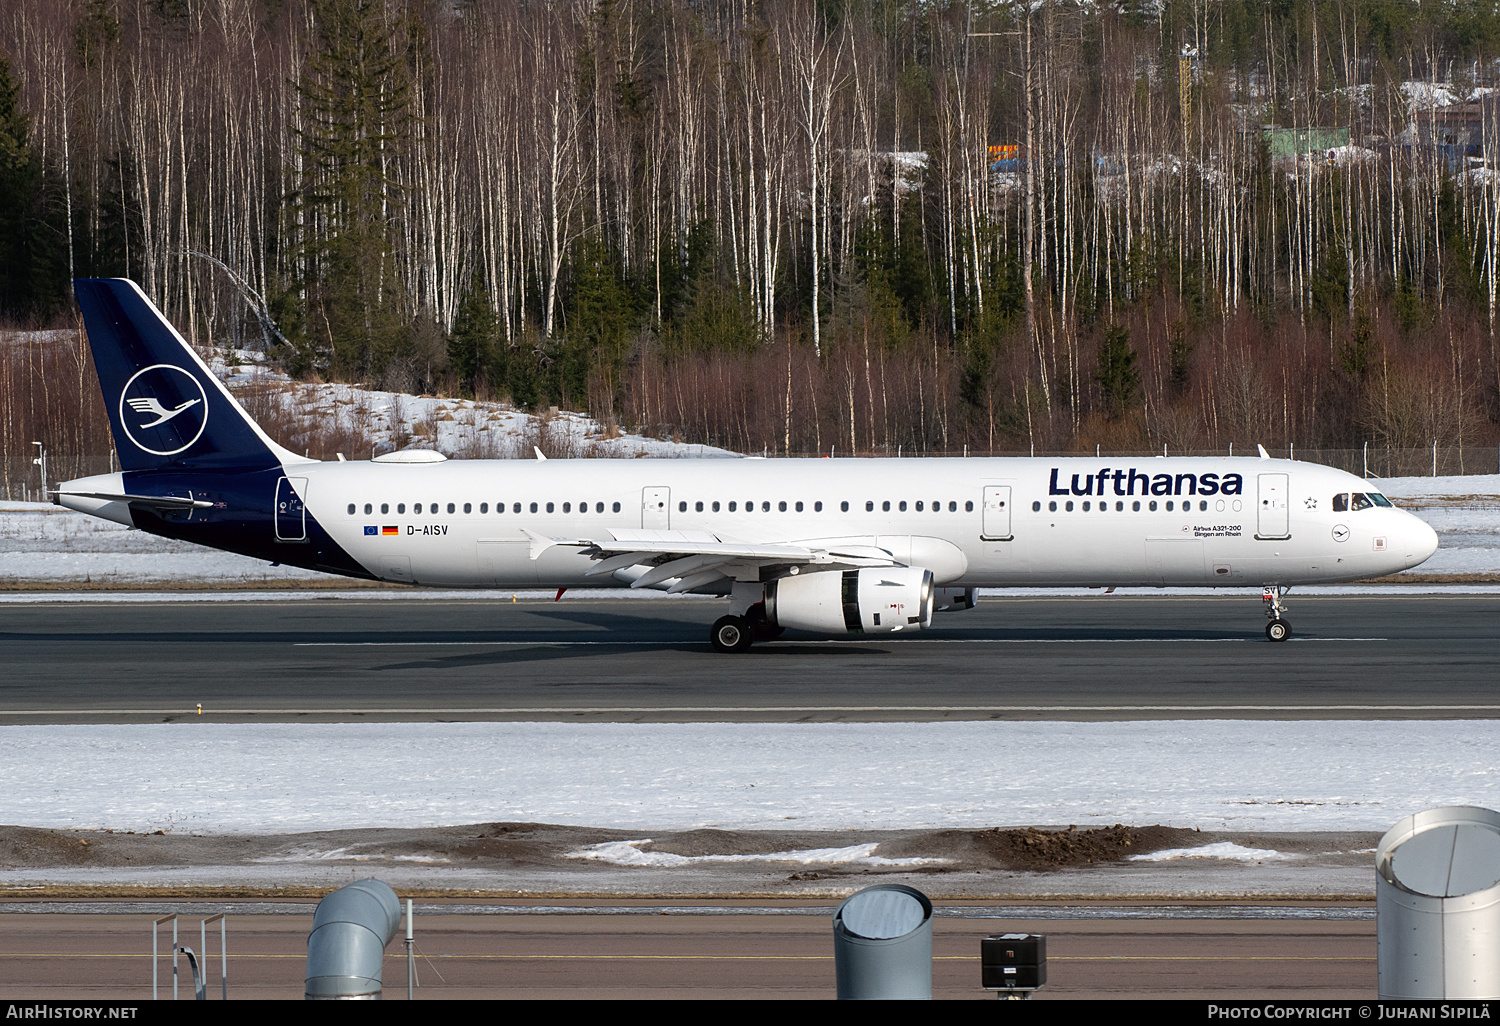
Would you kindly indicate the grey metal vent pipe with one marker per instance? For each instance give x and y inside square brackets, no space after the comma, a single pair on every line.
[347,945]
[1437,905]
[882,944]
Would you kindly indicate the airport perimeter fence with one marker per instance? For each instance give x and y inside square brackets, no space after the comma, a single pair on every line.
[20,477]
[1367,461]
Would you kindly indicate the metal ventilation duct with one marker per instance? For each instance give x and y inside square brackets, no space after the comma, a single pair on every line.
[347,945]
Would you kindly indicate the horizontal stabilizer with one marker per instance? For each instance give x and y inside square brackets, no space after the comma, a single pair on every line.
[155,501]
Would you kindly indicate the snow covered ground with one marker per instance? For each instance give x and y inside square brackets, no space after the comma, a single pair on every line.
[1242,776]
[1465,512]
[458,428]
[49,545]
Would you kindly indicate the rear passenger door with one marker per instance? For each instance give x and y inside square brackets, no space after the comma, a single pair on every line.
[656,508]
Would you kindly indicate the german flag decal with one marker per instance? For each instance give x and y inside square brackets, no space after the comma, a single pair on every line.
[390,530]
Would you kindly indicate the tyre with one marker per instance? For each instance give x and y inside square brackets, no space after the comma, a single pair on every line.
[1278,630]
[731,634]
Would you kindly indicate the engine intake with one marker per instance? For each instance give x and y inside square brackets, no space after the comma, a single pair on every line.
[876,600]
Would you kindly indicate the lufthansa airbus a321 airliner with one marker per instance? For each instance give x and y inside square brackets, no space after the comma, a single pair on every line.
[845,546]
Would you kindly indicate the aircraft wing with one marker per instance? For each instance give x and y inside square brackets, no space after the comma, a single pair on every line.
[697,558]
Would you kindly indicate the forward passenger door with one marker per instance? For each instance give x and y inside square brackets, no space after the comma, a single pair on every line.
[996,524]
[1273,513]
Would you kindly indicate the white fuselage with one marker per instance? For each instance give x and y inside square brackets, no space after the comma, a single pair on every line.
[974,522]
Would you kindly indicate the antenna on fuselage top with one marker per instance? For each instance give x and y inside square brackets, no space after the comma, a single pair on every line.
[1262,450]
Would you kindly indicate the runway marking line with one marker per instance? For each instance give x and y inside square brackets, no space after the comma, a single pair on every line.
[633,710]
[783,644]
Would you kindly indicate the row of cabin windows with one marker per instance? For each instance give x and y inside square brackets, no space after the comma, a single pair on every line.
[765,507]
[682,507]
[484,507]
[1187,505]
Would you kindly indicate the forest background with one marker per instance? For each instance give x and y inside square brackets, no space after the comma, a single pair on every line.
[789,226]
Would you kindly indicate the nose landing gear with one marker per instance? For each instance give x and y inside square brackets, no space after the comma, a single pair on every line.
[1278,629]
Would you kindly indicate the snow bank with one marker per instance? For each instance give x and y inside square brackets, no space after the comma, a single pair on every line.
[1212,774]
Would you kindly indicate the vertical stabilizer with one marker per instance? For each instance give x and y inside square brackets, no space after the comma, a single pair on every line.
[166,408]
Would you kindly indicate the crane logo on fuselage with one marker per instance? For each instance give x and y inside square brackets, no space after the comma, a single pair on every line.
[1124,482]
[163,409]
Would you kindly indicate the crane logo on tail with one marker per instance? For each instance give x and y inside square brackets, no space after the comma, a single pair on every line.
[163,409]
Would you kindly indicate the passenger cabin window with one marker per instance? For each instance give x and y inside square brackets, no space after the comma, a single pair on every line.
[617,507]
[351,509]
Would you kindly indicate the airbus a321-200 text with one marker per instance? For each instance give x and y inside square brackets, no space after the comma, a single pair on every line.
[845,546]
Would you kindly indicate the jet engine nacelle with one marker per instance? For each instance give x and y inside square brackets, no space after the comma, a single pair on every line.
[946,600]
[875,600]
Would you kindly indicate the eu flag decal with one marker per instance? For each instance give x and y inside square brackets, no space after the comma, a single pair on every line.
[372,530]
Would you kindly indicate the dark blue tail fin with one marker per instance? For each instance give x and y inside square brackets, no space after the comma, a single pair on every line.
[166,408]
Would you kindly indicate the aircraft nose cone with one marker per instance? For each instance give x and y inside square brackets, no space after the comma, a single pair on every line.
[1422,540]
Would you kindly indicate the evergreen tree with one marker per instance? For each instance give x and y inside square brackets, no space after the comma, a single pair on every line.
[356,125]
[471,347]
[33,237]
[1118,379]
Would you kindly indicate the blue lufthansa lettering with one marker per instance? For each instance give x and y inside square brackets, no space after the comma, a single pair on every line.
[1125,482]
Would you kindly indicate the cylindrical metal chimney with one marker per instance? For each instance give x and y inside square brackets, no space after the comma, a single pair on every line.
[882,944]
[347,945]
[1437,905]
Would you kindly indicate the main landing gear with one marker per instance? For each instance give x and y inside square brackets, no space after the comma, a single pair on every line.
[737,633]
[1278,629]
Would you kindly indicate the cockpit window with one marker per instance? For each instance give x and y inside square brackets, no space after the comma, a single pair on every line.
[1378,499]
[1341,503]
[1360,501]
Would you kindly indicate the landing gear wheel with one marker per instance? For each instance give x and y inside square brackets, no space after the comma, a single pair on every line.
[1273,595]
[731,634]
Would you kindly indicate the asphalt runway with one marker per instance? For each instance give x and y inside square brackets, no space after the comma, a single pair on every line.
[649,955]
[1096,657]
